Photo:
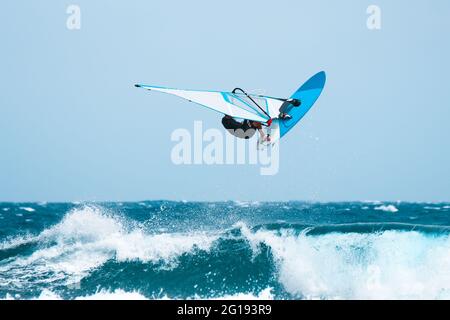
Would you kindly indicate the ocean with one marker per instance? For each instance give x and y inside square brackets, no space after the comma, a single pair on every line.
[225,250]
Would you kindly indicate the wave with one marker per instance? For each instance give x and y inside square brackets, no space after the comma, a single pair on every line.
[109,256]
[87,238]
[388,208]
[386,265]
[366,227]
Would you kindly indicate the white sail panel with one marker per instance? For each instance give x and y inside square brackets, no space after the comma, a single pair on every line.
[216,100]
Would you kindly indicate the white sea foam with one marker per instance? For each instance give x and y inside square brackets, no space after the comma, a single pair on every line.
[246,204]
[117,294]
[386,265]
[28,209]
[265,294]
[16,242]
[48,295]
[120,294]
[388,208]
[432,208]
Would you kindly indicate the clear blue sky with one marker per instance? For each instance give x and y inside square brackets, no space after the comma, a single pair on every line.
[72,127]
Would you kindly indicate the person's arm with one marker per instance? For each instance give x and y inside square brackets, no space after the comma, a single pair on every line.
[264,137]
[258,126]
[262,134]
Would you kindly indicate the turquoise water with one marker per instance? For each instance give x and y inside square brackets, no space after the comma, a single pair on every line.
[176,250]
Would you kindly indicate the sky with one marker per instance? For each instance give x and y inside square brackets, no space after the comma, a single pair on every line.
[73,127]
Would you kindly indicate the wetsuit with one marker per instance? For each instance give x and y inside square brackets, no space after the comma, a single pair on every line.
[242,130]
[286,107]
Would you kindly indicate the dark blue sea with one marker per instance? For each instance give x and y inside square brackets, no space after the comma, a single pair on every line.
[238,250]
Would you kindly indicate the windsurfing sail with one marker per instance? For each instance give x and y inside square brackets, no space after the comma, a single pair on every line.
[235,104]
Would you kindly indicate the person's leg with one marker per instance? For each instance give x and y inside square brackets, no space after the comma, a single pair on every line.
[285,107]
[284,111]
